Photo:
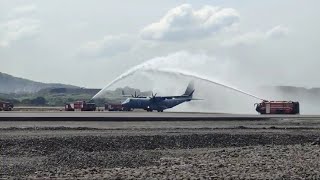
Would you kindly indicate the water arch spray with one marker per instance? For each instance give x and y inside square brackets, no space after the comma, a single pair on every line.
[175,72]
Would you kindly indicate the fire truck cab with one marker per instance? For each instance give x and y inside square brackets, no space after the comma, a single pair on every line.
[278,107]
[6,106]
[80,106]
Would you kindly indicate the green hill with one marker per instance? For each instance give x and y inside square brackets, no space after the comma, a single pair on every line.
[11,84]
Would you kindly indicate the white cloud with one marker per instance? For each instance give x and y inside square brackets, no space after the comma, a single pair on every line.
[107,46]
[278,32]
[16,29]
[18,25]
[250,38]
[183,22]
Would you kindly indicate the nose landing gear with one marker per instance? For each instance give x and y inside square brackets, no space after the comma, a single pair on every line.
[150,110]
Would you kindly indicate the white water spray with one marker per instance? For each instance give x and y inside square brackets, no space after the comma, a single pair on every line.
[175,72]
[198,77]
[164,65]
[151,64]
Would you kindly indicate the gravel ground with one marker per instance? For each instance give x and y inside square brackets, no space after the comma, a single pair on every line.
[229,154]
[252,162]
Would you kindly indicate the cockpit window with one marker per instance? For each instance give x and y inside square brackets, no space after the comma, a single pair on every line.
[127,100]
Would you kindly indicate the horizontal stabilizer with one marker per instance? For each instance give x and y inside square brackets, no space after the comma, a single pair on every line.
[196,99]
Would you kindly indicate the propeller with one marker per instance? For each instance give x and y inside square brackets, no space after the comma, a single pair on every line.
[154,97]
[135,95]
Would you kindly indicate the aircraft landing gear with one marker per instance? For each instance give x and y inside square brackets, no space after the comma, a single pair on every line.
[150,110]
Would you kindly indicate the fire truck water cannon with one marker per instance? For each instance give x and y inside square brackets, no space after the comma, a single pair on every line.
[278,107]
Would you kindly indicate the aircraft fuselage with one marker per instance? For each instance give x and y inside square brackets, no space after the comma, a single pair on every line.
[156,103]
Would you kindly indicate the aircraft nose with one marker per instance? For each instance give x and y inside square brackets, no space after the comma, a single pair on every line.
[125,103]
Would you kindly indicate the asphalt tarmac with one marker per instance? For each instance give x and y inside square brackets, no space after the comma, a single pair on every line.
[136,116]
[153,120]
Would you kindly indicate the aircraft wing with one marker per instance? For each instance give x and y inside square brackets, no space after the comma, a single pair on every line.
[130,95]
[172,97]
[142,97]
[126,95]
[177,97]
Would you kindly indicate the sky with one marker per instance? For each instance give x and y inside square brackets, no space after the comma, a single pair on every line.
[90,43]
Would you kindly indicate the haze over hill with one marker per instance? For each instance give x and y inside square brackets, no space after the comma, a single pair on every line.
[11,84]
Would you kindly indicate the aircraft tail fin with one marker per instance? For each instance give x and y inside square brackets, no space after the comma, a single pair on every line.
[190,89]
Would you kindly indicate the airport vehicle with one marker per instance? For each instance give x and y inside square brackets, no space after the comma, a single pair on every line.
[278,107]
[116,107]
[80,106]
[6,106]
[159,103]
[113,107]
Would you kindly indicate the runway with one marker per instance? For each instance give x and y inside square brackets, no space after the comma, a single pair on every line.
[140,116]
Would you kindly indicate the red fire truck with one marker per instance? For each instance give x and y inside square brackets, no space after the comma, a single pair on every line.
[80,106]
[115,107]
[278,107]
[6,106]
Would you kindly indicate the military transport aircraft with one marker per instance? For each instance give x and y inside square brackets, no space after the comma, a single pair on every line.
[158,103]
